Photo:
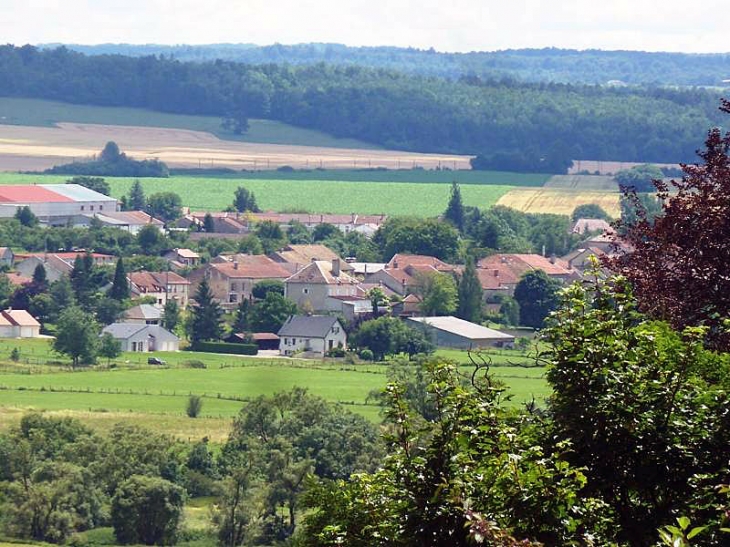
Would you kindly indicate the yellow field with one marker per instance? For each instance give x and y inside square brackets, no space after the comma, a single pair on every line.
[559,202]
[29,148]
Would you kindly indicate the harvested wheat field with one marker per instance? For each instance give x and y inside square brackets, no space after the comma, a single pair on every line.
[558,202]
[29,148]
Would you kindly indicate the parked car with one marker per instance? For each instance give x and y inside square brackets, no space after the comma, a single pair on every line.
[155,361]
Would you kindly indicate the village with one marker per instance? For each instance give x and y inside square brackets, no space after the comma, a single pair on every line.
[318,297]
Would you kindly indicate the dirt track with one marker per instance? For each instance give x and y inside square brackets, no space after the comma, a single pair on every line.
[31,148]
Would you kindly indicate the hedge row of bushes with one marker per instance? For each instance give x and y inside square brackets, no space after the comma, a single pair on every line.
[225,347]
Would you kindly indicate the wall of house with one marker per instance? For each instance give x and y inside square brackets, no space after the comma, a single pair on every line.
[308,294]
[290,345]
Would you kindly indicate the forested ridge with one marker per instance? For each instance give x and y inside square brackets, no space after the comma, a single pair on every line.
[532,65]
[396,110]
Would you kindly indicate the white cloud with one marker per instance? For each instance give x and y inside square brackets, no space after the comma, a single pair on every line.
[458,25]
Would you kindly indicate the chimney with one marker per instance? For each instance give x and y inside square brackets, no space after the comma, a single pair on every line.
[354,217]
[235,264]
[553,258]
[336,267]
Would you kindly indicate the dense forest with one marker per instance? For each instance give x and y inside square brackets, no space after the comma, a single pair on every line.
[531,65]
[392,109]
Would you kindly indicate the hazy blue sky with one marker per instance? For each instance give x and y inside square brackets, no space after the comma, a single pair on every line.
[456,25]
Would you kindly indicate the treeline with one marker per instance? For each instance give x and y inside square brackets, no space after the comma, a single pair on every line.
[534,65]
[395,110]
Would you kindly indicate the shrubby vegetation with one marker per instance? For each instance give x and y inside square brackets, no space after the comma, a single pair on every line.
[111,163]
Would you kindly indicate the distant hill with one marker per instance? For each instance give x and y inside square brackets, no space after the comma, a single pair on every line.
[531,65]
[509,125]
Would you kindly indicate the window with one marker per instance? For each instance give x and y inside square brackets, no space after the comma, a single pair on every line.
[134,346]
[331,344]
[101,207]
[234,286]
[305,291]
[82,207]
[233,297]
[91,207]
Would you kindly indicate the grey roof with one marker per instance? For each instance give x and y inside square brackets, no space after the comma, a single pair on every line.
[144,311]
[77,192]
[308,326]
[466,329]
[124,331]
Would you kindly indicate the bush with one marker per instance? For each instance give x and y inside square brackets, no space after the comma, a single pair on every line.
[336,352]
[225,347]
[15,355]
[194,406]
[194,363]
[366,355]
[147,510]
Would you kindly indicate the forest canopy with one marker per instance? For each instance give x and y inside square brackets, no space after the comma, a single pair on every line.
[396,110]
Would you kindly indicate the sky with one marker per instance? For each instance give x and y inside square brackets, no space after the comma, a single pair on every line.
[700,26]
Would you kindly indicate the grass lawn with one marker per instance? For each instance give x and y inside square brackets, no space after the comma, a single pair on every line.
[40,113]
[315,196]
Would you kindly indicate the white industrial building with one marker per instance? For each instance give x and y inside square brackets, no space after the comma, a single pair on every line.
[54,204]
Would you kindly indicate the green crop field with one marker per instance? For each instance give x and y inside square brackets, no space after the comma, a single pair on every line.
[315,196]
[421,176]
[39,113]
[583,182]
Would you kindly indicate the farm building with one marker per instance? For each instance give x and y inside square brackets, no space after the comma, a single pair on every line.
[18,324]
[54,204]
[452,332]
[316,334]
[140,337]
[129,221]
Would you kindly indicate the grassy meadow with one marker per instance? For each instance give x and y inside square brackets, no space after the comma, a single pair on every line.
[153,396]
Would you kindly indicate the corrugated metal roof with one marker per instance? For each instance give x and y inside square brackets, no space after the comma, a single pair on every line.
[462,328]
[76,192]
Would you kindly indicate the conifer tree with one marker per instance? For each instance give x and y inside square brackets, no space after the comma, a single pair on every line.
[470,294]
[39,276]
[455,209]
[120,285]
[137,200]
[207,315]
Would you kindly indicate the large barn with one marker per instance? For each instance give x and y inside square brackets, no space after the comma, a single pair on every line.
[54,204]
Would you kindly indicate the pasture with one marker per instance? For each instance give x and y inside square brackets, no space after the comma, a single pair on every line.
[314,196]
[559,202]
[136,393]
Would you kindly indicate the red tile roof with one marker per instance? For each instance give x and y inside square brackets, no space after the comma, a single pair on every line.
[320,272]
[401,261]
[156,281]
[30,194]
[252,267]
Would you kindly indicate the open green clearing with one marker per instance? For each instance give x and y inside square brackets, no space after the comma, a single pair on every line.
[39,113]
[155,397]
[315,196]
